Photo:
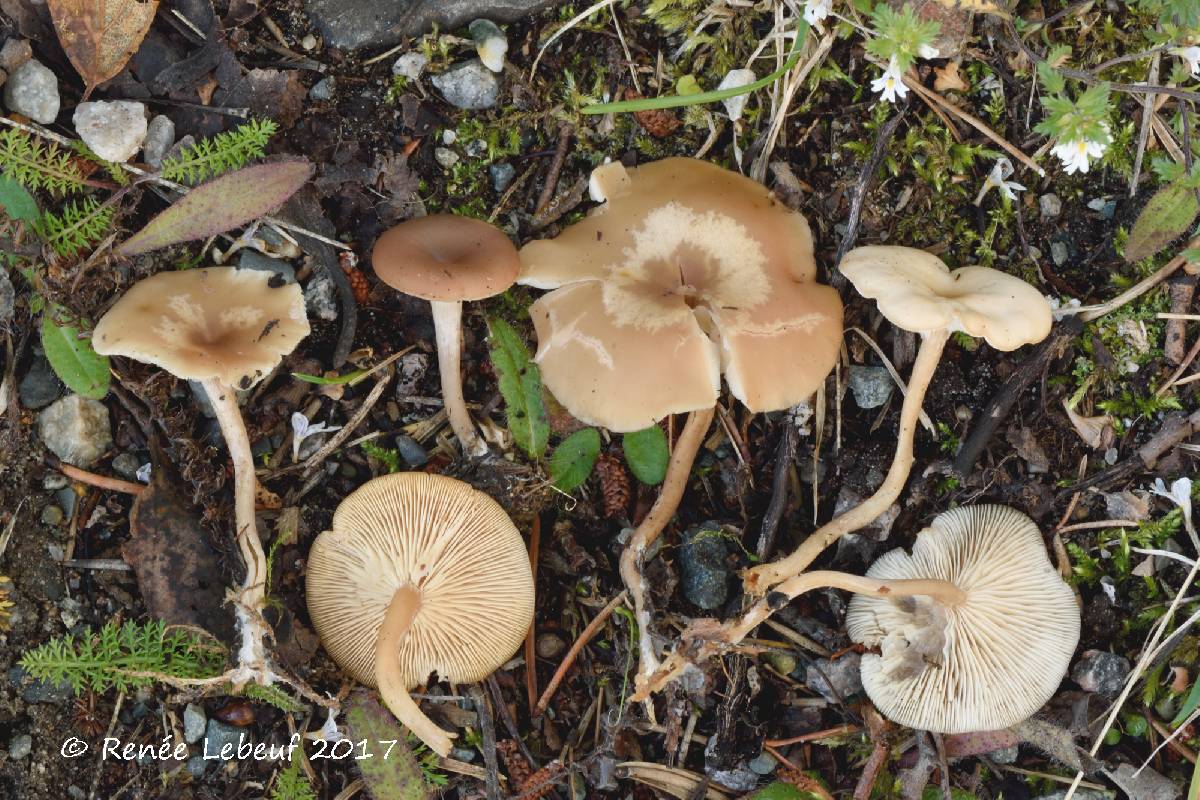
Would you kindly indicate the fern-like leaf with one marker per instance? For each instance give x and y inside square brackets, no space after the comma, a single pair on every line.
[292,785]
[79,225]
[273,695]
[38,165]
[126,657]
[222,153]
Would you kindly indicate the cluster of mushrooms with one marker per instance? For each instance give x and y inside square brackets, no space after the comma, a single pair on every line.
[683,274]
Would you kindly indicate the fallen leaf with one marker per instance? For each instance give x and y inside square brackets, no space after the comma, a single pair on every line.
[222,204]
[1096,432]
[397,774]
[658,122]
[947,79]
[99,36]
[997,7]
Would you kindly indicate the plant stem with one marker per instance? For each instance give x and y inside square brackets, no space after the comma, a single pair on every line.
[447,328]
[406,602]
[252,655]
[761,578]
[678,470]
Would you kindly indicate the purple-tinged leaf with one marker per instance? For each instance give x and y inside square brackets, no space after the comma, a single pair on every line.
[222,204]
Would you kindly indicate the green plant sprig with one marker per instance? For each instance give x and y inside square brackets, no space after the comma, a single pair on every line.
[38,165]
[222,153]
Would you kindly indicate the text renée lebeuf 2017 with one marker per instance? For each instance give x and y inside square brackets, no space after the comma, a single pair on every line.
[245,749]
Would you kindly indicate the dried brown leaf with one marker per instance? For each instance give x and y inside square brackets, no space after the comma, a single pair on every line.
[99,36]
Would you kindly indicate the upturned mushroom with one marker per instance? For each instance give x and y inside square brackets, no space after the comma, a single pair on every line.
[974,629]
[687,272]
[447,260]
[226,328]
[917,292]
[419,574]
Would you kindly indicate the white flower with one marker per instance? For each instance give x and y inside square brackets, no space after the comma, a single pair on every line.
[998,179]
[143,473]
[1189,54]
[817,10]
[1181,495]
[889,84]
[736,78]
[1077,154]
[302,429]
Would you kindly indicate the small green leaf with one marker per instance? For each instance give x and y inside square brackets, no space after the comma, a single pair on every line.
[73,359]
[1189,705]
[1165,218]
[393,772]
[573,460]
[16,202]
[335,380]
[687,85]
[647,454]
[521,385]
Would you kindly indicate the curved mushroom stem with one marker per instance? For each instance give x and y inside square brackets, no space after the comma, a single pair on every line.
[705,638]
[396,621]
[760,579]
[447,329]
[252,654]
[678,470]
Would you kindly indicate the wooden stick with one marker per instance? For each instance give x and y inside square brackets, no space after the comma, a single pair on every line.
[586,636]
[535,536]
[100,481]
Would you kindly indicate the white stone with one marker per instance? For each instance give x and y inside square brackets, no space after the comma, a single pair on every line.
[32,90]
[490,43]
[410,65]
[160,135]
[114,130]
[736,78]
[76,429]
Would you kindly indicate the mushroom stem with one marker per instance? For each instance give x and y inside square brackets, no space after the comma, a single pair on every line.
[447,328]
[252,655]
[389,677]
[678,470]
[760,579]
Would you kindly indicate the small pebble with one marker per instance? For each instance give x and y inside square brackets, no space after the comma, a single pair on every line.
[69,611]
[113,130]
[502,175]
[463,753]
[323,89]
[410,65]
[1106,208]
[411,451]
[40,387]
[736,78]
[843,674]
[703,565]
[871,386]
[160,135]
[126,465]
[55,481]
[67,499]
[196,766]
[470,86]
[763,764]
[490,43]
[476,148]
[320,297]
[32,90]
[1101,672]
[252,259]
[1059,253]
[218,734]
[14,53]
[445,156]
[52,515]
[8,298]
[449,136]
[20,746]
[194,723]
[1050,206]
[550,646]
[309,42]
[76,429]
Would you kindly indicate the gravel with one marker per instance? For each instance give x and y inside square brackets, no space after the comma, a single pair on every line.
[502,175]
[1050,206]
[76,429]
[843,674]
[410,65]
[40,387]
[20,746]
[1101,672]
[160,135]
[320,297]
[8,298]
[704,566]
[114,130]
[194,723]
[871,386]
[32,90]
[470,86]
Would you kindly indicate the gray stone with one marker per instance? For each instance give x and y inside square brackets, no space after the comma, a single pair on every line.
[196,766]
[252,259]
[463,753]
[763,764]
[470,86]
[1050,206]
[32,90]
[323,89]
[127,465]
[1059,253]
[76,429]
[1081,794]
[14,53]
[871,386]
[825,676]
[52,515]
[410,65]
[445,156]
[39,691]
[20,746]
[411,451]
[412,369]
[67,499]
[40,387]
[8,297]
[176,149]
[1104,207]
[114,130]
[320,297]
[550,646]
[703,566]
[194,723]
[739,779]
[218,734]
[490,43]
[350,24]
[502,175]
[1144,784]
[1005,755]
[160,135]
[1101,672]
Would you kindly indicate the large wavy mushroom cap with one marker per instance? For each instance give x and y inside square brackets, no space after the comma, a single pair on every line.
[686,272]
[916,291]
[234,325]
[454,545]
[987,663]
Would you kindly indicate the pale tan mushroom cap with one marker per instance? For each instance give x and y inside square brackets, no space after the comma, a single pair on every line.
[988,663]
[916,291]
[455,544]
[686,272]
[218,322]
[446,257]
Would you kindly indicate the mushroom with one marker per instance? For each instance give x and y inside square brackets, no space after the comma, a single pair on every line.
[917,292]
[687,271]
[226,328]
[419,574]
[975,628]
[447,259]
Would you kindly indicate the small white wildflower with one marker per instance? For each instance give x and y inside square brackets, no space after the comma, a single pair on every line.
[1191,55]
[1076,154]
[1181,495]
[143,473]
[328,731]
[302,429]
[815,11]
[890,85]
[998,179]
[736,78]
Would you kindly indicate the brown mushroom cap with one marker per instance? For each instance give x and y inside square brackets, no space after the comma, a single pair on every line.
[455,545]
[225,323]
[686,272]
[446,257]
[987,663]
